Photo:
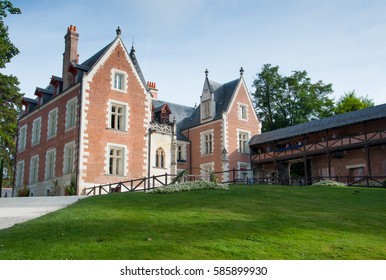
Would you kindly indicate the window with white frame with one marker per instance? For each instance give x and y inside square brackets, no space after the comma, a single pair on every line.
[119,79]
[50,164]
[22,138]
[52,123]
[207,142]
[36,128]
[71,113]
[160,158]
[19,174]
[206,170]
[69,155]
[181,152]
[116,161]
[243,138]
[118,117]
[243,112]
[34,170]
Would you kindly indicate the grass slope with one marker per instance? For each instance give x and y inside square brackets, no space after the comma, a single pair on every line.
[248,222]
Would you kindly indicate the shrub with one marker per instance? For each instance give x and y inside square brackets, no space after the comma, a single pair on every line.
[329,183]
[23,191]
[190,186]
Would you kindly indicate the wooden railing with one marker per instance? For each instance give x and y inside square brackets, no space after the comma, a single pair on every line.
[333,144]
[134,185]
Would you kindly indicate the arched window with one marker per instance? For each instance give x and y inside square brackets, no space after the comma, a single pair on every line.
[160,158]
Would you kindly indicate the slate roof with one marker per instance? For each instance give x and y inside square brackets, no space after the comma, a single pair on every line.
[180,112]
[88,64]
[223,94]
[93,60]
[372,113]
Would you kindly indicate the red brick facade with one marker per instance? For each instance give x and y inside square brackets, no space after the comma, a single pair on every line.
[98,125]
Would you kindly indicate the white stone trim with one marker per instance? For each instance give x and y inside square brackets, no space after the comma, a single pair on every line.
[111,102]
[65,155]
[202,140]
[72,101]
[125,80]
[30,170]
[46,175]
[34,124]
[352,166]
[22,145]
[49,123]
[203,170]
[125,158]
[239,111]
[238,131]
[19,181]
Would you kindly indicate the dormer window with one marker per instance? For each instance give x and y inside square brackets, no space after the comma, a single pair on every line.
[40,100]
[162,114]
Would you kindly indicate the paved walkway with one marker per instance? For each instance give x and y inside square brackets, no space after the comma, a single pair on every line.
[14,210]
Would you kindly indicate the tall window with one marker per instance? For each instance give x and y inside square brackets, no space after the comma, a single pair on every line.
[160,158]
[71,113]
[179,153]
[22,138]
[208,143]
[69,152]
[118,81]
[243,142]
[50,164]
[52,123]
[34,170]
[117,117]
[36,127]
[243,112]
[20,173]
[116,161]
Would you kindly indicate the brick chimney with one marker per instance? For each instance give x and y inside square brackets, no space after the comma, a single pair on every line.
[70,55]
[153,89]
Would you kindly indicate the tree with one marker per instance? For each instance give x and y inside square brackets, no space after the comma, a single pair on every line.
[350,102]
[282,101]
[10,98]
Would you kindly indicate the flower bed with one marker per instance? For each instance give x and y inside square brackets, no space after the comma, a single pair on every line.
[329,183]
[190,186]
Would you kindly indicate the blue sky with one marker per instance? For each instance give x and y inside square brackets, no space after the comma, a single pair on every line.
[338,42]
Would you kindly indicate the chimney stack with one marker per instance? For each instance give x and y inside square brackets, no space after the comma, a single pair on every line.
[70,55]
[153,89]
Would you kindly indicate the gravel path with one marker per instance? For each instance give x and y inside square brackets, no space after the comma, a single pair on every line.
[14,210]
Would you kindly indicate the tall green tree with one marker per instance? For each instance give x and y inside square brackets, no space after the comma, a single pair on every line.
[10,99]
[350,102]
[282,101]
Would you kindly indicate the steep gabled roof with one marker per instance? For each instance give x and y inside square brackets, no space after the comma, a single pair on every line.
[90,63]
[223,94]
[372,113]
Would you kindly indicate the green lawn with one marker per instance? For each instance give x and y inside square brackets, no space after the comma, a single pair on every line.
[248,222]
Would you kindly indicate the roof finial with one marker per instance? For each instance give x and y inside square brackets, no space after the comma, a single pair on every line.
[119,32]
[241,71]
[206,73]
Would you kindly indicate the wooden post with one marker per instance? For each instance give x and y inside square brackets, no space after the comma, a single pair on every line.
[166,178]
[234,176]
[368,160]
[305,171]
[329,165]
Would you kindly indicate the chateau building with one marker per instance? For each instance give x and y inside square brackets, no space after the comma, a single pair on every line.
[102,122]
